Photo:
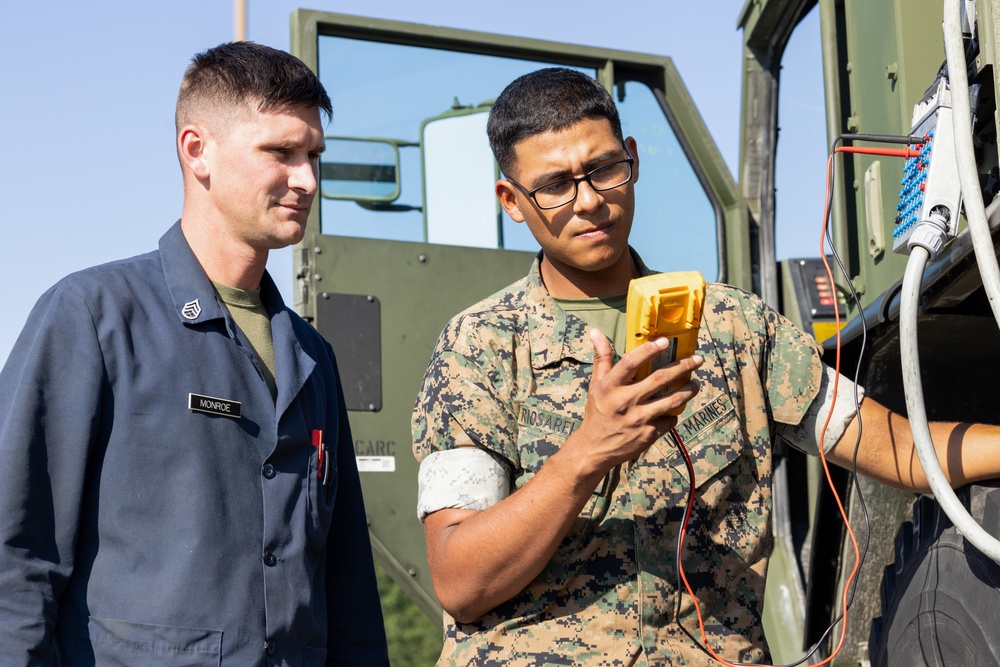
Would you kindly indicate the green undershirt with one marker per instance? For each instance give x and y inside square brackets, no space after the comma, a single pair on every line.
[606,313]
[252,319]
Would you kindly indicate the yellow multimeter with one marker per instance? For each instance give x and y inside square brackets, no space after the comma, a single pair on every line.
[665,305]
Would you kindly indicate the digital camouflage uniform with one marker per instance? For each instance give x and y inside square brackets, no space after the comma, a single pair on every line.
[511,375]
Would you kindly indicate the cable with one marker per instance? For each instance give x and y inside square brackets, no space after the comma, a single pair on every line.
[850,586]
[910,298]
[882,138]
[857,370]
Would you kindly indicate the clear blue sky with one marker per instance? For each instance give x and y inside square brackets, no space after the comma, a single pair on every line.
[90,174]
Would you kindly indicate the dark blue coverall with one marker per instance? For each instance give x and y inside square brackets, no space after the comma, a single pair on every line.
[137,531]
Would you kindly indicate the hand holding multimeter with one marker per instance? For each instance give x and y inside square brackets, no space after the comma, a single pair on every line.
[626,410]
[665,305]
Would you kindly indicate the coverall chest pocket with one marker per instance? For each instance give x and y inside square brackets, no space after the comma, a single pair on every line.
[321,481]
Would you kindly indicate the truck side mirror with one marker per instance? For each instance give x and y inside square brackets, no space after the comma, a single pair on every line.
[459,175]
[361,170]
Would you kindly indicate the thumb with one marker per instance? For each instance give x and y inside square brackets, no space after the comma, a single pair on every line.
[602,356]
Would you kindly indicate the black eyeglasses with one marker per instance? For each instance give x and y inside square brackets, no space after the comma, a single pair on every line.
[559,193]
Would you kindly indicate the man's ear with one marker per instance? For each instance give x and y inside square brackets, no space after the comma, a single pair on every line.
[192,145]
[508,200]
[633,150]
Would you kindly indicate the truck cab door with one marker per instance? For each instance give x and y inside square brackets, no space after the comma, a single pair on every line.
[408,232]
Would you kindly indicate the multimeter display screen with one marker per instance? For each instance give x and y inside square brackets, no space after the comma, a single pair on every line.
[668,356]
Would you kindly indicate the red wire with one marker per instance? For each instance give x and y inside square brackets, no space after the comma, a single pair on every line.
[888,152]
[822,457]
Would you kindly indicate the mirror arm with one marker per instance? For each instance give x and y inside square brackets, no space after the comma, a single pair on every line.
[388,208]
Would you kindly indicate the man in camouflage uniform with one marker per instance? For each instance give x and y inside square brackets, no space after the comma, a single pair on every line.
[551,488]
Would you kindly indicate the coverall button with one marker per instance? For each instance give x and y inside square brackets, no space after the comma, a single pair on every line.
[269,559]
[269,647]
[269,471]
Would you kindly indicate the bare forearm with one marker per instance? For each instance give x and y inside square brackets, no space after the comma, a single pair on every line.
[967,452]
[480,559]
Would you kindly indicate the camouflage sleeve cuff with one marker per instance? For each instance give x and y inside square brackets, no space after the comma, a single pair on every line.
[806,434]
[463,478]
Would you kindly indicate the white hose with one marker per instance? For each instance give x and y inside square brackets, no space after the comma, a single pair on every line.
[940,487]
[965,157]
[982,243]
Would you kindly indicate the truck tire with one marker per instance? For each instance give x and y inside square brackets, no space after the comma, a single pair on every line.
[941,598]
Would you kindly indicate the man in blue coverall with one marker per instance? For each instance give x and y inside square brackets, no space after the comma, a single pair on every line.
[181,486]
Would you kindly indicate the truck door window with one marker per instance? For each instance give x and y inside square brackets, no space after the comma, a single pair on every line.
[422,111]
[431,103]
[675,223]
[802,145]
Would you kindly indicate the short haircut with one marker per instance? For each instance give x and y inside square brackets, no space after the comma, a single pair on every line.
[238,77]
[546,100]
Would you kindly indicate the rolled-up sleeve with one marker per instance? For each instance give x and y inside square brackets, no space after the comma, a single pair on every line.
[828,416]
[464,478]
[462,401]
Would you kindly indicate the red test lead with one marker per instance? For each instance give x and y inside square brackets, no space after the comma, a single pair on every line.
[887,152]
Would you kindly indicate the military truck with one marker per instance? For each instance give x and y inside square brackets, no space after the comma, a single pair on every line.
[408,233]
